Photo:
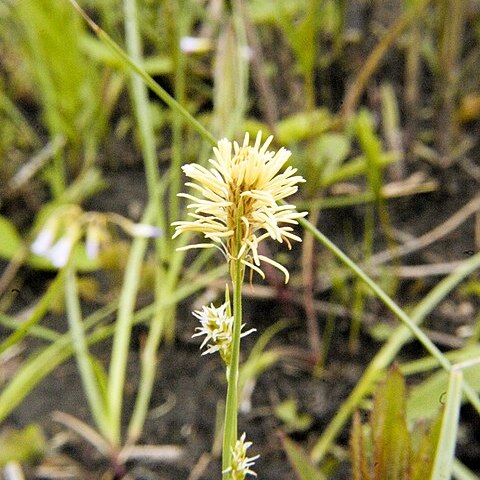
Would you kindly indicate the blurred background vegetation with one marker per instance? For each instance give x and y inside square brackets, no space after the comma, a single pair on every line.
[379,102]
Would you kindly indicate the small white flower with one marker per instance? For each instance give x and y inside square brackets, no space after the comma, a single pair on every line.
[217,327]
[92,242]
[134,229]
[68,224]
[246,53]
[195,44]
[241,464]
[43,241]
[60,252]
[144,230]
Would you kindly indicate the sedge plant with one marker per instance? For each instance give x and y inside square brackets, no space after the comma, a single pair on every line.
[236,207]
[231,224]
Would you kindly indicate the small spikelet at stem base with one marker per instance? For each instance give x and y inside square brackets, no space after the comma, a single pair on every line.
[241,463]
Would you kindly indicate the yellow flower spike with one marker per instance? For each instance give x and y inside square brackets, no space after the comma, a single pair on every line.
[241,463]
[241,191]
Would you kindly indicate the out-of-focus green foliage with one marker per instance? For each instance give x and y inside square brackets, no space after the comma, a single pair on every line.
[65,82]
[293,420]
[385,448]
[26,445]
[300,461]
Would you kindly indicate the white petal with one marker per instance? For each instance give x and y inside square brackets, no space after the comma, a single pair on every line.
[43,242]
[144,230]
[195,44]
[60,252]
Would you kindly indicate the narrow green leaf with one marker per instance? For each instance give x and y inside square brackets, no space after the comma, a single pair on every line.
[357,450]
[391,440]
[294,421]
[445,454]
[422,460]
[356,167]
[302,126]
[36,315]
[331,150]
[371,146]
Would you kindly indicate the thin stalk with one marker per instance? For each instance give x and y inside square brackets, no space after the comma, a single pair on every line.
[386,300]
[140,96]
[82,355]
[237,272]
[231,407]
[149,360]
[121,340]
[445,451]
[149,366]
[142,111]
[57,175]
[179,17]
[162,323]
[308,277]
[35,331]
[168,282]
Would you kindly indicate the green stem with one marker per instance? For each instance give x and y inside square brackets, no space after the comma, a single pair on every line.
[149,364]
[57,175]
[231,408]
[35,331]
[386,300]
[180,17]
[142,111]
[139,96]
[121,340]
[82,355]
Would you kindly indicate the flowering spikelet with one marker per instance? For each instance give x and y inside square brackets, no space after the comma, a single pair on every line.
[217,326]
[238,198]
[241,464]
